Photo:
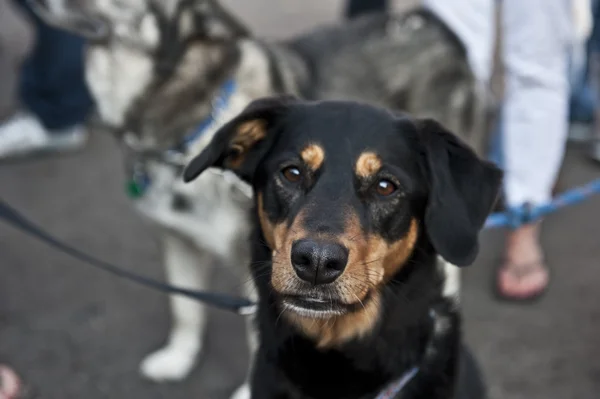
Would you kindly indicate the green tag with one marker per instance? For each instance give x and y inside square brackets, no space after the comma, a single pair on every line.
[133,189]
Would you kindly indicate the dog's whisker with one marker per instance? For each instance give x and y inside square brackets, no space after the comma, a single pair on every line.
[283,310]
[366,263]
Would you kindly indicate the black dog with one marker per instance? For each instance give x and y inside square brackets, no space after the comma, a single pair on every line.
[353,207]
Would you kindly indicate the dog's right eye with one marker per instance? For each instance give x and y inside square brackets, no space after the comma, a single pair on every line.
[385,188]
[292,174]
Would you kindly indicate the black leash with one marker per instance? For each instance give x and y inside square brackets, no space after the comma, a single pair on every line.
[238,305]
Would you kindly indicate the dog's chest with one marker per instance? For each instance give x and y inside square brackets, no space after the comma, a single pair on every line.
[330,375]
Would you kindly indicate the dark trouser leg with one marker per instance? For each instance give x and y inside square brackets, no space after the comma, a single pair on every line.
[52,81]
[594,76]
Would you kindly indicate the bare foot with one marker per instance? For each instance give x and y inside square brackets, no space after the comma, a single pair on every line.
[10,385]
[524,274]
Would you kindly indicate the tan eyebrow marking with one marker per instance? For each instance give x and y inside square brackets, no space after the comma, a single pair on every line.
[368,164]
[313,155]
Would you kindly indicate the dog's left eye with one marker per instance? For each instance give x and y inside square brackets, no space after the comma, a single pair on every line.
[292,174]
[385,187]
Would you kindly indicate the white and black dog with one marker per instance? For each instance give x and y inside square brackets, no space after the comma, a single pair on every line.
[166,74]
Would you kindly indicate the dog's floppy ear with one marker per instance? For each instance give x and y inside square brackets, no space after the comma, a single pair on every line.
[242,142]
[463,190]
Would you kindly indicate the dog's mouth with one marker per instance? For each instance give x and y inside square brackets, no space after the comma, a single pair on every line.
[319,307]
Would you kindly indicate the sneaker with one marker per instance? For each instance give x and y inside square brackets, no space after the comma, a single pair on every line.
[24,135]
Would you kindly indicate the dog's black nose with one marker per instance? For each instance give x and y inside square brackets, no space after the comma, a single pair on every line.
[318,262]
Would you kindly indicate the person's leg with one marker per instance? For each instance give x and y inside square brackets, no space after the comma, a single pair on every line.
[16,43]
[537,39]
[473,22]
[581,101]
[356,8]
[52,82]
[594,73]
[53,92]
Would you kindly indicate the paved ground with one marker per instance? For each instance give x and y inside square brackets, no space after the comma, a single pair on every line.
[76,333]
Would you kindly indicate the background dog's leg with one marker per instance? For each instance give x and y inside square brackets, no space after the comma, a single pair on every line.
[190,268]
[243,392]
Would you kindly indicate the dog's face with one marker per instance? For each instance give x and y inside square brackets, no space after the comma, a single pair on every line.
[152,65]
[344,192]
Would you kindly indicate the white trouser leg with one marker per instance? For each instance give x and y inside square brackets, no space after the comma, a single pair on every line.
[537,39]
[473,22]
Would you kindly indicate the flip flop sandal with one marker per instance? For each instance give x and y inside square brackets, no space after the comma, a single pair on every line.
[10,386]
[520,272]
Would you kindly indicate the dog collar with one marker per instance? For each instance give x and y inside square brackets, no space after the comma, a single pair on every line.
[219,104]
[139,179]
[395,387]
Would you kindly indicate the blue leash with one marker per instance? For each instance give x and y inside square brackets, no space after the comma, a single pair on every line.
[219,103]
[526,214]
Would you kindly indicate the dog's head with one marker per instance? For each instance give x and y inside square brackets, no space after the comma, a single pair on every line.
[345,192]
[140,21]
[153,66]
